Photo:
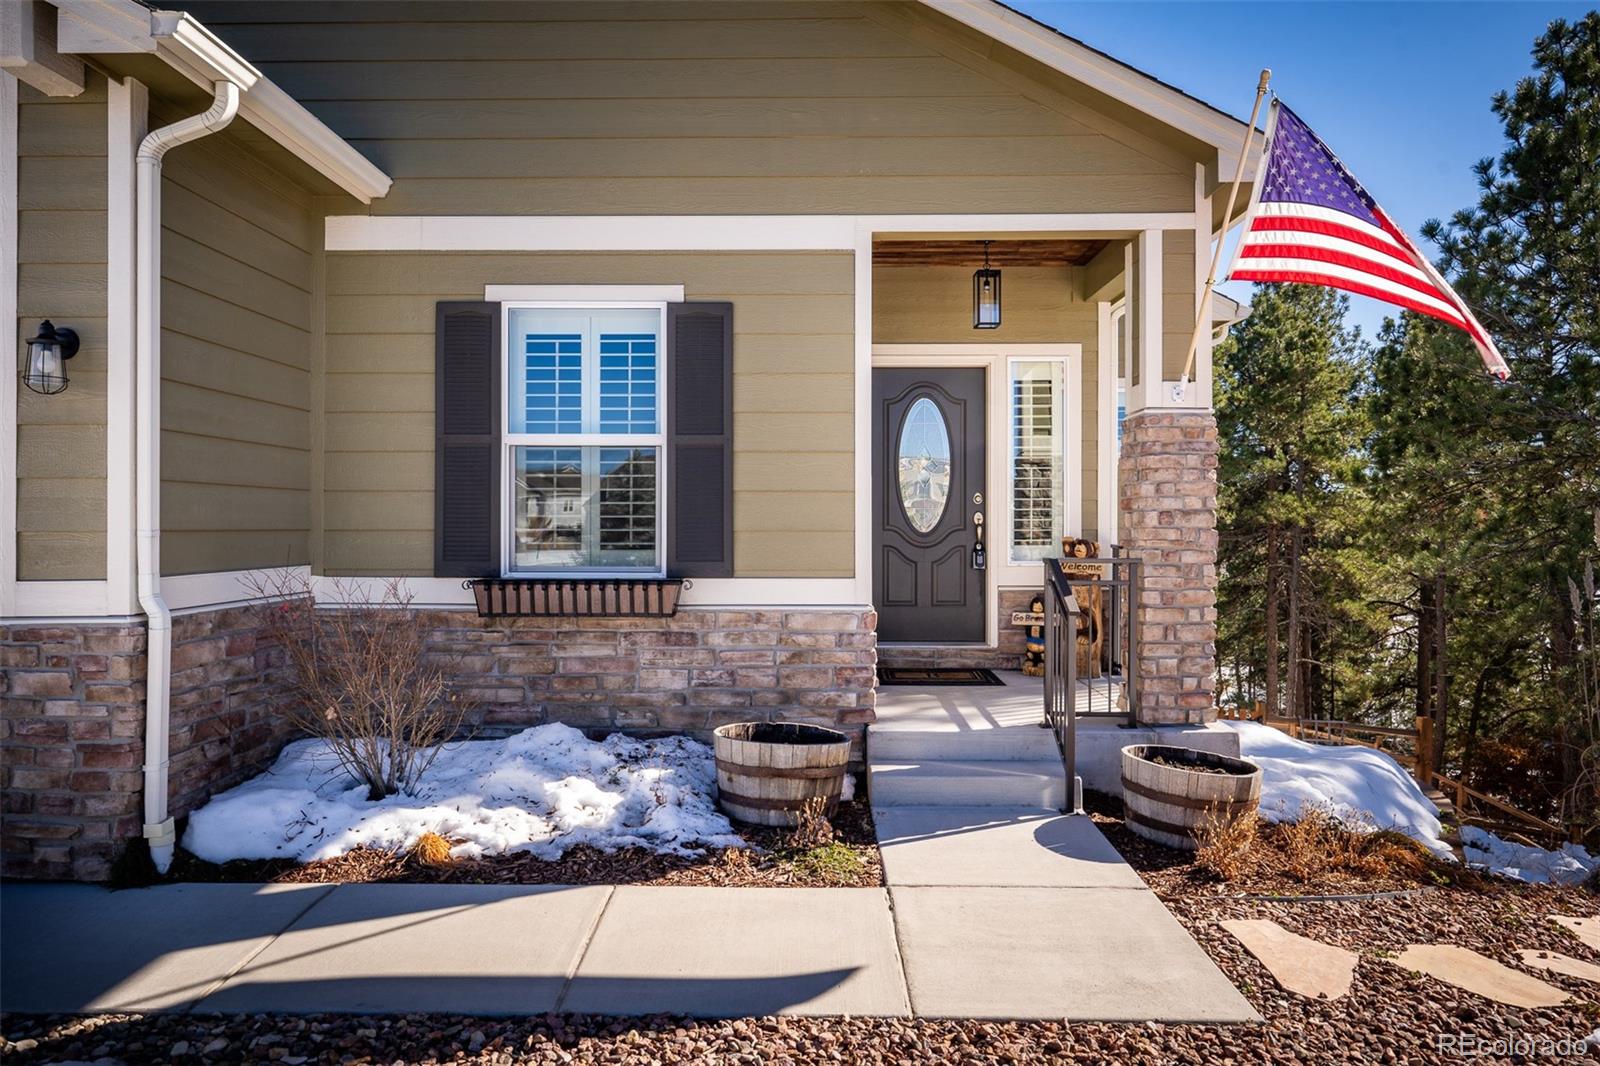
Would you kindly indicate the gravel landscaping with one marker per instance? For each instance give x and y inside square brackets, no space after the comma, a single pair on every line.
[1390,1016]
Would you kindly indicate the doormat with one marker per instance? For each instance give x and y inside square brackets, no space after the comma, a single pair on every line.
[922,675]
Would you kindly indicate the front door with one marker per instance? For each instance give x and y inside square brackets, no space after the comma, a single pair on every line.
[928,501]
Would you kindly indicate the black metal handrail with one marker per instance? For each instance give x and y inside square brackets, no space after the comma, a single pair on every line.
[1061,675]
[1116,583]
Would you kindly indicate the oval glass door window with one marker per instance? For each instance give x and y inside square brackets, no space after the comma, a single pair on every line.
[924,465]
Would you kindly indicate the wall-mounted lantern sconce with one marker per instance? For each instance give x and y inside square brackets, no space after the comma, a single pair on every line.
[986,295]
[48,352]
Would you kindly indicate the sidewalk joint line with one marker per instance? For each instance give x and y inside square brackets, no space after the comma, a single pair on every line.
[583,948]
[899,955]
[239,967]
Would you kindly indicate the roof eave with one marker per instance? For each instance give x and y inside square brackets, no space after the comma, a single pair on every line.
[188,47]
[1078,61]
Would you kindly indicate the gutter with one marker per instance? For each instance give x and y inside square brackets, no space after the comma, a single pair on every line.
[182,42]
[235,78]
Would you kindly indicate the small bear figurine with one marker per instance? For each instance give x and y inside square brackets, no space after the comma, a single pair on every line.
[1033,651]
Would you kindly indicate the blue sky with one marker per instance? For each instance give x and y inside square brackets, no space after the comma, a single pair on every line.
[1400,91]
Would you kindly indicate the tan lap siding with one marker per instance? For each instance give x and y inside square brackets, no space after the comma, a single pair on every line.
[933,305]
[237,249]
[61,275]
[793,400]
[691,108]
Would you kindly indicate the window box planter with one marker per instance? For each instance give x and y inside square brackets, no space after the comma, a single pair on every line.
[574,598]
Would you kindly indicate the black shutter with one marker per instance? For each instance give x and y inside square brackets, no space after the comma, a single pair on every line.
[700,439]
[466,442]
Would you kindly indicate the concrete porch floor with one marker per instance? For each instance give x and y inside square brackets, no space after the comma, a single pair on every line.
[993,731]
[964,708]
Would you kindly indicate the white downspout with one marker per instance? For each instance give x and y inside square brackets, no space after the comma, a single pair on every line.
[158,825]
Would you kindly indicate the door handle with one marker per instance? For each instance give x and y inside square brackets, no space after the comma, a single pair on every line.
[980,555]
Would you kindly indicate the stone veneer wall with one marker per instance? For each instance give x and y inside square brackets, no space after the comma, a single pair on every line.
[71,736]
[692,672]
[1168,493]
[72,732]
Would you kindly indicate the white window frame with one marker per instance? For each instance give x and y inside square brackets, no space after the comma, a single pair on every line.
[1067,395]
[510,441]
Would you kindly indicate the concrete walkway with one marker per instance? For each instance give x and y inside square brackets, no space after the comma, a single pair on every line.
[1015,915]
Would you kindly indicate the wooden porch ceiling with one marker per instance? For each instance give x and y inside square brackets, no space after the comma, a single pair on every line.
[1067,252]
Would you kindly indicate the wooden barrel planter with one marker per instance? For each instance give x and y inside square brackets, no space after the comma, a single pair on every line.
[1169,794]
[766,771]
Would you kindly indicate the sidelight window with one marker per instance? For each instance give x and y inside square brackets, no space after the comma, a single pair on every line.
[1037,458]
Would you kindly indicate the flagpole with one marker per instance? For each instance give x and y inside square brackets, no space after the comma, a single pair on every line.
[1227,217]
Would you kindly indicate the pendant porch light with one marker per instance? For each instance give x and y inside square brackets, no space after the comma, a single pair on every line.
[986,295]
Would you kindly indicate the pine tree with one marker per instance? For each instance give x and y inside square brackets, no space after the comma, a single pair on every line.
[1291,425]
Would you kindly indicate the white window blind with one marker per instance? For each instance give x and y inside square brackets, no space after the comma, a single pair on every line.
[1036,458]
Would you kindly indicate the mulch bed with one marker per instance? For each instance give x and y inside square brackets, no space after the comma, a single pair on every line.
[773,862]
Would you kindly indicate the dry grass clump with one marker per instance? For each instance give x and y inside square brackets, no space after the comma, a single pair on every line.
[1320,842]
[1314,849]
[1225,843]
[431,849]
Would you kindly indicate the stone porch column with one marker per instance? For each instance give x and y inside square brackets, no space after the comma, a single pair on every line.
[1168,497]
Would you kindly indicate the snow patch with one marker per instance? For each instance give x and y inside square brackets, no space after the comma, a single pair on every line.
[1571,865]
[1358,785]
[543,790]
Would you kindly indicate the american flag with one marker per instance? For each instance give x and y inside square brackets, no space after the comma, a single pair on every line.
[1312,222]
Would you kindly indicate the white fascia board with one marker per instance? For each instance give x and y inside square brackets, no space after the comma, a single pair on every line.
[1114,79]
[103,26]
[281,117]
[199,55]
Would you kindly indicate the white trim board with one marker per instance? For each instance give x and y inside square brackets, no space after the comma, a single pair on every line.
[8,351]
[697,233]
[562,294]
[188,593]
[127,117]
[56,599]
[796,592]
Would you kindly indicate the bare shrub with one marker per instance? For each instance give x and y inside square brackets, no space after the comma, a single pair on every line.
[1224,843]
[812,828]
[362,678]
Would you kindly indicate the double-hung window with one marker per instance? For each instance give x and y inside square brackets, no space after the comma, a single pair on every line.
[584,439]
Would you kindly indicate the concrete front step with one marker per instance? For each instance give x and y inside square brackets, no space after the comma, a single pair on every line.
[1006,744]
[1036,783]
